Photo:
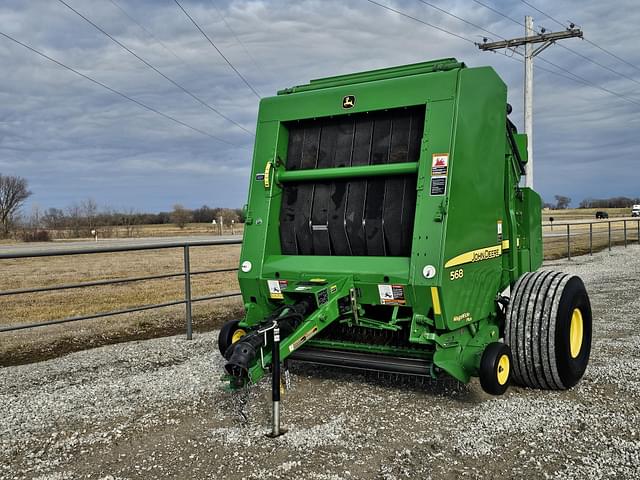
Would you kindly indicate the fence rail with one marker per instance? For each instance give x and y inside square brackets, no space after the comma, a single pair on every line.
[553,233]
[187,301]
[580,239]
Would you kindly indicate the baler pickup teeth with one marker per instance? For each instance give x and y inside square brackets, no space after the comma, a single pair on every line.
[364,361]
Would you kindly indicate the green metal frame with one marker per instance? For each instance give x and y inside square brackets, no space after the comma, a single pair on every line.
[483,210]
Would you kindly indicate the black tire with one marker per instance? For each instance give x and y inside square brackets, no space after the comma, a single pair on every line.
[225,337]
[538,328]
[495,368]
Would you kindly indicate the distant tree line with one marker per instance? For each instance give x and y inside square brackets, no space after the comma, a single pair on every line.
[81,218]
[613,202]
[562,202]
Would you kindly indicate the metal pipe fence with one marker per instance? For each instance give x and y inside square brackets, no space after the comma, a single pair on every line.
[573,233]
[187,273]
[586,237]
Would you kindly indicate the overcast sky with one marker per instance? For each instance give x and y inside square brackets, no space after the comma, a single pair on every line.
[73,139]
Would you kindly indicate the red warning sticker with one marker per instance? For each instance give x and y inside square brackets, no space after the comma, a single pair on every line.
[439,164]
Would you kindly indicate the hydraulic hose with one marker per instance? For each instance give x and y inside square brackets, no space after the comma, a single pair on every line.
[241,355]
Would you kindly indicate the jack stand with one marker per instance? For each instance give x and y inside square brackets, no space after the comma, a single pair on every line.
[276,431]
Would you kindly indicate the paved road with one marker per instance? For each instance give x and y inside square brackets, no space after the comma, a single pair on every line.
[111,242]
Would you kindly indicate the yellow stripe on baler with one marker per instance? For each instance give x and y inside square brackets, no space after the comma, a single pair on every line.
[435,297]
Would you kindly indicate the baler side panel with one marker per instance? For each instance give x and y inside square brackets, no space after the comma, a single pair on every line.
[263,207]
[476,197]
[532,227]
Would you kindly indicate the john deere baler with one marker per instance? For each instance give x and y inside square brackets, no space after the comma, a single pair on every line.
[386,229]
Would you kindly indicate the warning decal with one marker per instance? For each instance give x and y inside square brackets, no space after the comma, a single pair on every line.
[438,185]
[275,288]
[439,164]
[391,294]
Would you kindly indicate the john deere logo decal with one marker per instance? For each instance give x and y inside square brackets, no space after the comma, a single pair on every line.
[349,101]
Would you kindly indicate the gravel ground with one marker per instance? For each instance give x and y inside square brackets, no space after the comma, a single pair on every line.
[156,409]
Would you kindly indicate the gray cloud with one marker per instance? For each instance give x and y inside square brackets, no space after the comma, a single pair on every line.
[72,140]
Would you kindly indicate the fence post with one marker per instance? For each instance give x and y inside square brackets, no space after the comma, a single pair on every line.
[568,241]
[591,239]
[625,234]
[639,231]
[609,223]
[187,291]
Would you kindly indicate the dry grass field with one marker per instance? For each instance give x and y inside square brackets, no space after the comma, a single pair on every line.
[46,342]
[582,241]
[583,213]
[143,231]
[170,230]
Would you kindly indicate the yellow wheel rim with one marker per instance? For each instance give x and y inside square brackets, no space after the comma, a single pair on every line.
[576,332]
[503,369]
[237,335]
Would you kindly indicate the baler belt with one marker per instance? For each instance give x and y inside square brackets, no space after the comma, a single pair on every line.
[358,216]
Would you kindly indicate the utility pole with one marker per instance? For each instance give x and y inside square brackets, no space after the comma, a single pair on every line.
[528,99]
[530,38]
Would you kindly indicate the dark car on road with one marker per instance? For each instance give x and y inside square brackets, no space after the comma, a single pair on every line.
[601,214]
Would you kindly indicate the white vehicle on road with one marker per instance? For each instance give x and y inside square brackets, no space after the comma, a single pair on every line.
[635,211]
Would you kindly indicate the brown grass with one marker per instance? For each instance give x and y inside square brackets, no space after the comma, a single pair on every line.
[45,342]
[143,231]
[556,247]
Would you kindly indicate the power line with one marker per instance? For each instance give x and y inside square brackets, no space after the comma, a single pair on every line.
[608,52]
[217,49]
[240,42]
[146,30]
[422,21]
[124,47]
[589,59]
[545,14]
[582,79]
[113,90]
[612,54]
[573,76]
[601,65]
[500,13]
[442,10]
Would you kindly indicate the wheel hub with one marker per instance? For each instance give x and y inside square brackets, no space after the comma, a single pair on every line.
[576,331]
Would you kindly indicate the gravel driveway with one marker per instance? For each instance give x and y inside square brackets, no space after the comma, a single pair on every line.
[156,409]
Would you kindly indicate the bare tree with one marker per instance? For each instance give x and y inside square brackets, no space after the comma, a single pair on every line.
[89,209]
[228,215]
[130,220]
[53,219]
[13,193]
[180,216]
[562,202]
